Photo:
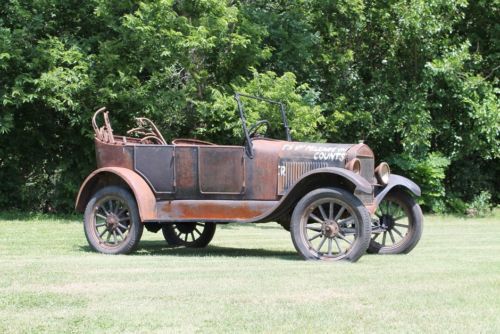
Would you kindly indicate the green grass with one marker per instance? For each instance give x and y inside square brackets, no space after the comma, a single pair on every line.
[248,280]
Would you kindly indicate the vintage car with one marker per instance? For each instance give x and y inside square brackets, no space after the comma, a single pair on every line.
[330,197]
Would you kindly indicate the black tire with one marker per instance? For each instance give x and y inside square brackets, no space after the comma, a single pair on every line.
[349,226]
[111,221]
[399,218]
[192,234]
[284,221]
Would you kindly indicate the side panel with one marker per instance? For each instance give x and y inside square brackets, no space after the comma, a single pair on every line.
[108,155]
[221,170]
[156,164]
[186,172]
[262,170]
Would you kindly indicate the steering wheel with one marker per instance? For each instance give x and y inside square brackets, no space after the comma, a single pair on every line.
[253,129]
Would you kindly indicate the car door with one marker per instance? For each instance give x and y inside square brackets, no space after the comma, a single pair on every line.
[221,170]
[156,165]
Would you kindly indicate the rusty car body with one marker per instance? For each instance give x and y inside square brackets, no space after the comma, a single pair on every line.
[331,198]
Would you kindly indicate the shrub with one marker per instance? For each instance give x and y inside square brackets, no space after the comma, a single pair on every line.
[480,206]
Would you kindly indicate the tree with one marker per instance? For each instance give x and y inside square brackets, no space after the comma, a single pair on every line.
[416,80]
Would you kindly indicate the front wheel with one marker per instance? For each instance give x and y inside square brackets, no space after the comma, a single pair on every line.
[111,221]
[330,224]
[398,224]
[189,234]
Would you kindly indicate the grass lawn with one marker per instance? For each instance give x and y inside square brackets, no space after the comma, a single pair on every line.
[248,280]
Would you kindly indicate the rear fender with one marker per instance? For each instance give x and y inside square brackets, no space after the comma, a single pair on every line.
[144,196]
[399,182]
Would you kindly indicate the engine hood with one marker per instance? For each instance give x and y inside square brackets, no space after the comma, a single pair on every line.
[294,159]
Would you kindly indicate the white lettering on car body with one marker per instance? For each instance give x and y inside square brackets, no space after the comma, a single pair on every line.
[281,170]
[319,152]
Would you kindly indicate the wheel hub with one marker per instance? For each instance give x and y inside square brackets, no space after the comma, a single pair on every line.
[331,229]
[111,221]
[387,222]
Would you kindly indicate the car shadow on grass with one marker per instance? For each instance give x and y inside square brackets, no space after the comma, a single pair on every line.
[155,248]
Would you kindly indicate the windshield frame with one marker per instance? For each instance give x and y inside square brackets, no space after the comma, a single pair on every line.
[249,146]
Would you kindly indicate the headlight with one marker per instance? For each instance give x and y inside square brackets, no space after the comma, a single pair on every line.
[383,172]
[354,165]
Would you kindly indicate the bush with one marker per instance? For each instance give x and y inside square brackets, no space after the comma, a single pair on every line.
[429,173]
[481,205]
[456,205]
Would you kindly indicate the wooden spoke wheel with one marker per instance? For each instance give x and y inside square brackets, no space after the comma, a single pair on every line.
[111,221]
[330,224]
[190,234]
[398,225]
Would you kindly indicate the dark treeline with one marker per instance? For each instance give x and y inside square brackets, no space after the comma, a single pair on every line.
[417,80]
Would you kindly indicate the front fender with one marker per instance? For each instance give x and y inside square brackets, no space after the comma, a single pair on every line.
[360,183]
[146,201]
[396,181]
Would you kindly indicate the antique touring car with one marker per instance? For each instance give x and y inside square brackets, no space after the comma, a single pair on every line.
[330,197]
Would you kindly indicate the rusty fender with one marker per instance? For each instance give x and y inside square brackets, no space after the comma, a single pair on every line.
[146,201]
[361,184]
[396,181]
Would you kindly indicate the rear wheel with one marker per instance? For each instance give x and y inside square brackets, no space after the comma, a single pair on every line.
[330,224]
[191,234]
[398,226]
[111,221]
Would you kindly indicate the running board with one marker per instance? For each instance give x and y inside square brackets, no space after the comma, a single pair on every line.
[211,210]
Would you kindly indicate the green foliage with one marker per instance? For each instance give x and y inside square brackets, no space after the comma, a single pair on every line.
[418,81]
[456,205]
[429,173]
[468,107]
[219,119]
[480,206]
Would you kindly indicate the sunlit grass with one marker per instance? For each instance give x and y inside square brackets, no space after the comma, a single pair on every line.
[249,279]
